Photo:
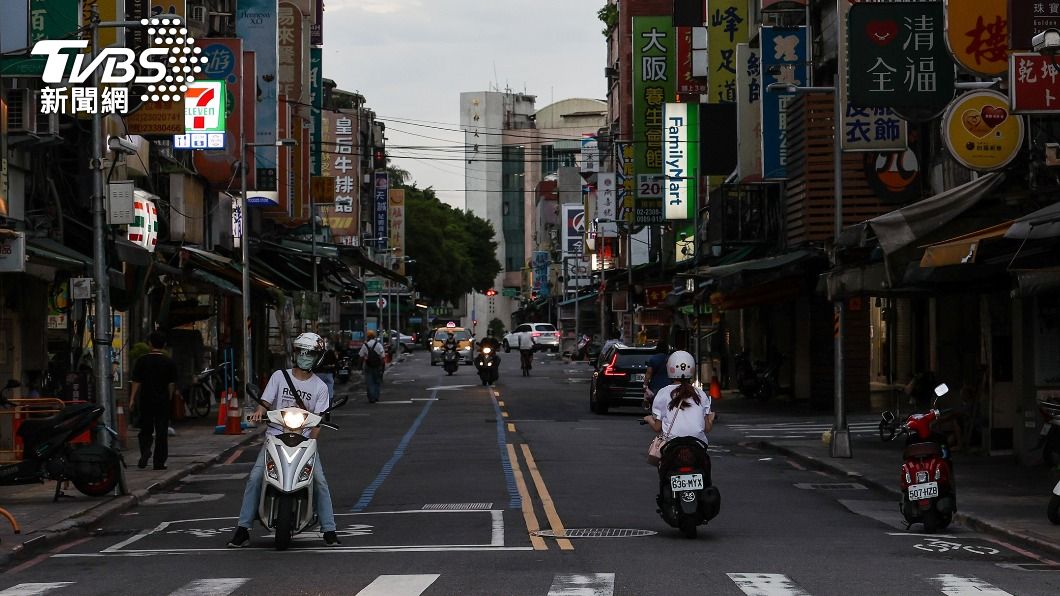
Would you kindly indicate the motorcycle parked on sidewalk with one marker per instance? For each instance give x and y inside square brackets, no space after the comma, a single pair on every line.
[342,373]
[48,454]
[450,361]
[927,485]
[487,363]
[687,498]
[758,379]
[287,504]
[1049,437]
[1054,505]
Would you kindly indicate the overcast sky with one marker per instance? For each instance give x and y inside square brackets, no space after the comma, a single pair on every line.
[411,59]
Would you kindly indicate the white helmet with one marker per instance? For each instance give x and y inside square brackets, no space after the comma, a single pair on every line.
[681,365]
[309,341]
[308,350]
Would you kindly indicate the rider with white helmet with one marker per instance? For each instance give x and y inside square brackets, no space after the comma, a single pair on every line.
[309,393]
[681,409]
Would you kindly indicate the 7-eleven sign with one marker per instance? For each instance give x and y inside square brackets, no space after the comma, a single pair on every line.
[204,106]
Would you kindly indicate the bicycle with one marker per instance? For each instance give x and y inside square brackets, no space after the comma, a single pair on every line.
[203,389]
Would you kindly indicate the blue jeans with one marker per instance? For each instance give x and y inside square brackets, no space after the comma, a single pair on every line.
[329,380]
[252,495]
[373,382]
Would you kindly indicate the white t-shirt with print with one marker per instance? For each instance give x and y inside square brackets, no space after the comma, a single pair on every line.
[689,421]
[313,391]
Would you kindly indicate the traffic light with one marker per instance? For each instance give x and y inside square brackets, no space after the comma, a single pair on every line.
[491,292]
[378,158]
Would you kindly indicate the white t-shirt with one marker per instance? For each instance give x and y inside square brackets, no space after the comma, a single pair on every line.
[313,391]
[375,345]
[689,422]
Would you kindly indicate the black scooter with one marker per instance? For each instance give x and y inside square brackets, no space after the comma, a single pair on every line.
[758,379]
[342,374]
[487,363]
[48,455]
[687,498]
[450,361]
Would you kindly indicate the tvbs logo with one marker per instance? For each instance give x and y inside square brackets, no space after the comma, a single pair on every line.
[119,64]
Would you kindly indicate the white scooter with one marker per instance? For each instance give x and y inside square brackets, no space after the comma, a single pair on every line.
[287,504]
[1054,505]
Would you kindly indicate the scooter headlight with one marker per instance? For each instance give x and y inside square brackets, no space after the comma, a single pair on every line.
[270,467]
[486,350]
[293,420]
[306,472]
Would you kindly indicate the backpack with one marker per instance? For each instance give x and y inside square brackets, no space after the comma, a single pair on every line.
[373,359]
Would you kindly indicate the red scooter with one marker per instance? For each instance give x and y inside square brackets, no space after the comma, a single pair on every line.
[929,493]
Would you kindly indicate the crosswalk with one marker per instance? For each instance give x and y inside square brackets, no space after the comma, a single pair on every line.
[565,584]
[804,429]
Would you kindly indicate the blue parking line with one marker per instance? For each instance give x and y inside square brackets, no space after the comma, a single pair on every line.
[514,500]
[399,452]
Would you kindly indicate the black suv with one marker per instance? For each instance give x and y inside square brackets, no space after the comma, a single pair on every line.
[619,378]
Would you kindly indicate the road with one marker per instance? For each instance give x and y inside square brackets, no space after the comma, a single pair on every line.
[442,487]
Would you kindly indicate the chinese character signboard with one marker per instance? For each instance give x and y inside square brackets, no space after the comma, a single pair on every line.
[980,132]
[1028,18]
[539,261]
[1033,84]
[654,60]
[784,58]
[396,228]
[316,98]
[573,230]
[977,35]
[606,204]
[726,27]
[625,181]
[339,163]
[680,159]
[289,57]
[590,155]
[256,26]
[687,81]
[382,203]
[897,56]
[748,112]
[49,19]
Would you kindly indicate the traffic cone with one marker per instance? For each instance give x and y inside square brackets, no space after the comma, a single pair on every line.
[123,424]
[232,424]
[176,410]
[715,388]
[222,414]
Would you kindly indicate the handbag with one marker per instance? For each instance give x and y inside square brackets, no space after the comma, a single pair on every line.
[656,445]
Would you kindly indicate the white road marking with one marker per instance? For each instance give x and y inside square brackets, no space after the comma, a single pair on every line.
[220,586]
[211,477]
[399,585]
[497,535]
[766,584]
[181,498]
[587,584]
[33,589]
[955,585]
[448,387]
[392,402]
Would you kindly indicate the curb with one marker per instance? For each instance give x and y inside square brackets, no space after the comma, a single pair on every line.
[81,523]
[966,519]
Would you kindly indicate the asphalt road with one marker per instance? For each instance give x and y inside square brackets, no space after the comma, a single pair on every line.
[439,487]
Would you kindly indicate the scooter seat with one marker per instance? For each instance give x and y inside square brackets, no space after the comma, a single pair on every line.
[33,426]
[922,450]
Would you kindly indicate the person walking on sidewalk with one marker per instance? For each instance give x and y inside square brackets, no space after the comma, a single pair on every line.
[325,371]
[294,387]
[373,363]
[154,381]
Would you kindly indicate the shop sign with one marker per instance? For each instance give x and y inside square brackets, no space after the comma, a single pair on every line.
[656,295]
[382,203]
[316,98]
[726,27]
[256,26]
[785,54]
[691,58]
[573,230]
[143,232]
[1033,83]
[977,35]
[625,181]
[680,159]
[654,81]
[49,19]
[897,56]
[980,132]
[224,63]
[289,50]
[606,204]
[748,113]
[540,262]
[893,175]
[1028,18]
[12,252]
[396,228]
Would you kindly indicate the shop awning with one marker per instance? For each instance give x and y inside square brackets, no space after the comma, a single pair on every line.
[218,282]
[580,298]
[1039,225]
[351,255]
[47,249]
[901,227]
[962,249]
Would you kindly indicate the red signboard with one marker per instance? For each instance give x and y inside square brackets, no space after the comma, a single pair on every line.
[1034,84]
[656,295]
[685,82]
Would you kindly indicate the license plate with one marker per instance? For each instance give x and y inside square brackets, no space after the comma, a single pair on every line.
[686,482]
[928,490]
[638,378]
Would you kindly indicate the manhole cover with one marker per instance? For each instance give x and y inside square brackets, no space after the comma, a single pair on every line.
[831,486]
[594,533]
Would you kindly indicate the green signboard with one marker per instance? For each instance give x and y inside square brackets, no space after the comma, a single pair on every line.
[897,57]
[316,94]
[509,292]
[48,19]
[373,285]
[654,82]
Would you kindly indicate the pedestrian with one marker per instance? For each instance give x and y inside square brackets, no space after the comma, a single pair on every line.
[154,381]
[373,363]
[325,370]
[656,377]
[296,387]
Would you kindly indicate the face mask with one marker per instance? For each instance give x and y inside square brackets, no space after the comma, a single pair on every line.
[305,361]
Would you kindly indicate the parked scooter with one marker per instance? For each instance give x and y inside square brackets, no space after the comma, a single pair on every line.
[287,504]
[487,364]
[342,373]
[48,455]
[687,498]
[585,349]
[1049,437]
[927,485]
[758,379]
[450,361]
[1054,505]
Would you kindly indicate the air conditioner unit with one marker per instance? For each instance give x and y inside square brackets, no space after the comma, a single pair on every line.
[46,124]
[220,23]
[21,112]
[197,14]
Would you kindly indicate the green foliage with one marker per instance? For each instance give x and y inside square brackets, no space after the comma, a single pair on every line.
[455,251]
[136,350]
[608,15]
[496,328]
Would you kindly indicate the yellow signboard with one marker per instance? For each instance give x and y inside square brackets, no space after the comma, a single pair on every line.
[726,27]
[980,132]
[977,35]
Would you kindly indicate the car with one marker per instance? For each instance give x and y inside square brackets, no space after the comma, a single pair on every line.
[618,378]
[544,335]
[463,344]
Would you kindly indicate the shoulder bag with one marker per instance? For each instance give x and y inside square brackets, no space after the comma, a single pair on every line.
[656,445]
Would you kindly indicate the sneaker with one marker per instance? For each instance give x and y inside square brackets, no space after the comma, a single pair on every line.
[331,539]
[241,538]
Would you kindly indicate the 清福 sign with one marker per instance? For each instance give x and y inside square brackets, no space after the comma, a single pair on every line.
[977,35]
[1033,83]
[980,132]
[680,156]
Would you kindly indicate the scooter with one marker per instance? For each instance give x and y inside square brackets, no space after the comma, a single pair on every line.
[342,373]
[927,484]
[687,498]
[48,455]
[450,361]
[486,363]
[286,505]
[757,380]
[1054,505]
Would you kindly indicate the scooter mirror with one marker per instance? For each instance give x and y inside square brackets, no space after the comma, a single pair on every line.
[338,404]
[12,383]
[888,417]
[941,390]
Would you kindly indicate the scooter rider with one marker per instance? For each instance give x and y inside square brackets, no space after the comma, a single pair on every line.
[682,396]
[313,396]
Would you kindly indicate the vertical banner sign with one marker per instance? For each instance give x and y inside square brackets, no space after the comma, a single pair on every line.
[343,215]
[784,58]
[590,155]
[249,105]
[49,19]
[573,230]
[1028,18]
[977,35]
[627,184]
[316,98]
[158,118]
[897,57]
[1033,84]
[687,83]
[866,129]
[256,26]
[727,26]
[654,60]
[289,50]
[606,204]
[396,227]
[316,32]
[680,156]
[382,203]
[748,112]
[225,64]
[539,260]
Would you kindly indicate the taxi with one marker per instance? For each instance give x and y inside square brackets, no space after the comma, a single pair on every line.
[463,344]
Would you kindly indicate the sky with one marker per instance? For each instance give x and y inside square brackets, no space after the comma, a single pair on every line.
[411,59]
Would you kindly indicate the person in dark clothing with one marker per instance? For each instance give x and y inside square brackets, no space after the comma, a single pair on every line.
[325,370]
[656,377]
[154,382]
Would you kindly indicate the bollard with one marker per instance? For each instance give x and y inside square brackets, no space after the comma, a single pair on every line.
[233,424]
[222,413]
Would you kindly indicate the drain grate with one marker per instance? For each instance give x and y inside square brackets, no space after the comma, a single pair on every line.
[458,507]
[831,486]
[593,533]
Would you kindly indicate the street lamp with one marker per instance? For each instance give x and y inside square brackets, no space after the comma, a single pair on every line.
[244,246]
[840,445]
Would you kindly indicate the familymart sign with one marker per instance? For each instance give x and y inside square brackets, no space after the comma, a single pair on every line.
[680,158]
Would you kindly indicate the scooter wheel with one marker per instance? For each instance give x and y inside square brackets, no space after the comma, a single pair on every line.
[688,527]
[111,476]
[933,521]
[284,521]
[1054,509]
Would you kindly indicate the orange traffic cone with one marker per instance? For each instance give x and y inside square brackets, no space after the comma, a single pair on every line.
[715,388]
[232,422]
[222,414]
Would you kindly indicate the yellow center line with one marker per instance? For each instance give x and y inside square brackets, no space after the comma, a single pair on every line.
[511,427]
[500,403]
[546,499]
[504,414]
[528,507]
